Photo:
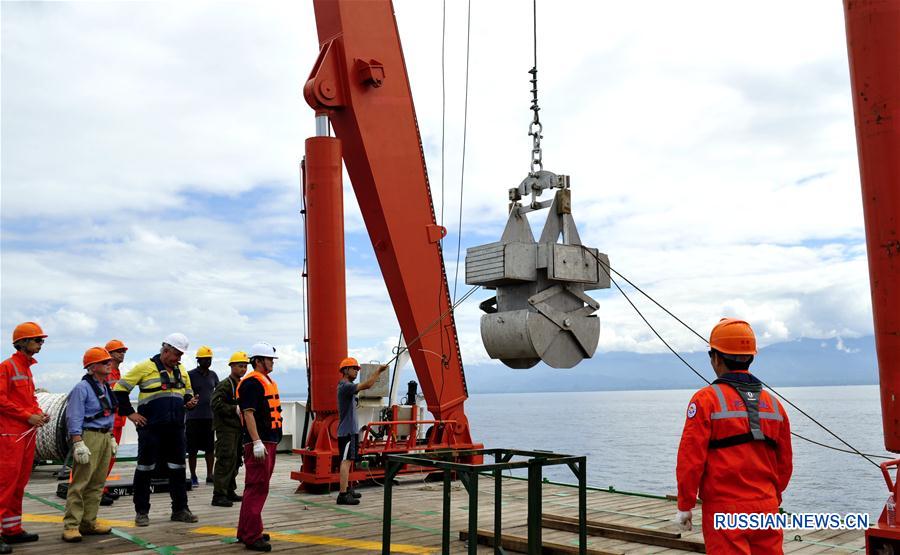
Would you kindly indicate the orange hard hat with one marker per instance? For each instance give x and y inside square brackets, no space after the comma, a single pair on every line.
[27,330]
[95,355]
[733,337]
[349,362]
[115,345]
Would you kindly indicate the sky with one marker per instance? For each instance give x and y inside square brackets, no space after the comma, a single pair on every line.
[150,156]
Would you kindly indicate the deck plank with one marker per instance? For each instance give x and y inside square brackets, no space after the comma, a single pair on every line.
[307,520]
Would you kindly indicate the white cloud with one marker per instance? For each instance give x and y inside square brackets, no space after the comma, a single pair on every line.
[150,159]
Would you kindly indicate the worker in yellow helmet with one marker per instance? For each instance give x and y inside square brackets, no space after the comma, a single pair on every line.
[227,425]
[199,421]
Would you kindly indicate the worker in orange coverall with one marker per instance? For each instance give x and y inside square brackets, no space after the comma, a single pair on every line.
[735,448]
[20,417]
[116,350]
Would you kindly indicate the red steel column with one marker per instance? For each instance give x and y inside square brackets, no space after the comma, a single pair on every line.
[873,44]
[327,281]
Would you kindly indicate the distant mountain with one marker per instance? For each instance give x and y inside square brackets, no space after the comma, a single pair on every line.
[804,362]
[796,363]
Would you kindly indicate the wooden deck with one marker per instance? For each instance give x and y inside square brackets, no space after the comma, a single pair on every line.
[315,524]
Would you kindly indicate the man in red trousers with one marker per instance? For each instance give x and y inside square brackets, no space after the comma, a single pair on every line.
[257,396]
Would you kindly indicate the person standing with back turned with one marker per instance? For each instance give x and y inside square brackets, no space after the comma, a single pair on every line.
[735,448]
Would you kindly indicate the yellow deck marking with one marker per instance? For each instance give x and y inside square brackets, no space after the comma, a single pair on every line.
[59,519]
[320,540]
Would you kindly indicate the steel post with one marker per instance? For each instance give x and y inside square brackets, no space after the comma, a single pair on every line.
[535,541]
[472,484]
[445,529]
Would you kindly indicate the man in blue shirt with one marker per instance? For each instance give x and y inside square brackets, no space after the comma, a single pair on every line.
[348,428]
[89,419]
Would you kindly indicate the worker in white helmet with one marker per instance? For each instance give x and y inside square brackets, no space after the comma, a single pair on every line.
[257,396]
[165,393]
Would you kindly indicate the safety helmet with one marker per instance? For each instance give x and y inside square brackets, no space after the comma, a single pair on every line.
[348,362]
[27,330]
[204,352]
[239,356]
[95,355]
[115,345]
[733,337]
[178,341]
[262,349]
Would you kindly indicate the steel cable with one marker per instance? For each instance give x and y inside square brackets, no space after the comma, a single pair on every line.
[608,269]
[462,172]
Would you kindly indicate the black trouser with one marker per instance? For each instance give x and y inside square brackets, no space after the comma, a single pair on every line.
[228,457]
[161,444]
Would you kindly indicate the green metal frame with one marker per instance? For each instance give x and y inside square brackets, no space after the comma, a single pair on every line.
[446,460]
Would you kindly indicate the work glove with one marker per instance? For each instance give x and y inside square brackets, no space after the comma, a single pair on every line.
[82,453]
[113,445]
[683,520]
[259,450]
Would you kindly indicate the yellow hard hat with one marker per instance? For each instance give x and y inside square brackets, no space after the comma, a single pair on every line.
[238,356]
[204,352]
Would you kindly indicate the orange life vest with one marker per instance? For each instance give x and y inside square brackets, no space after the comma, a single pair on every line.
[270,391]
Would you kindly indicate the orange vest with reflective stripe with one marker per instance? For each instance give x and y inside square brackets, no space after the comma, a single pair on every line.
[748,471]
[270,391]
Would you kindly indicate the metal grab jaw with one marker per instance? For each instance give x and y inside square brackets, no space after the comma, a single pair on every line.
[541,311]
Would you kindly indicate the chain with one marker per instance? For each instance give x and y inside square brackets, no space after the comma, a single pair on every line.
[535,128]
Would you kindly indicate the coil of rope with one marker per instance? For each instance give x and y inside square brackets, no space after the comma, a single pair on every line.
[53,437]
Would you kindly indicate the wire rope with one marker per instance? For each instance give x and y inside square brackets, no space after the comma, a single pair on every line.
[609,271]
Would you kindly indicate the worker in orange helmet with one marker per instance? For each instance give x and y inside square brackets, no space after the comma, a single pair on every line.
[735,448]
[20,416]
[348,427]
[116,350]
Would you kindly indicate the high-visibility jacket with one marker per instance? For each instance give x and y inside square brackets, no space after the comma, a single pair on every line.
[270,391]
[736,446]
[17,400]
[162,395]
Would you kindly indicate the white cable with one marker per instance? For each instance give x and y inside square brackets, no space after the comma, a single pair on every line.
[52,437]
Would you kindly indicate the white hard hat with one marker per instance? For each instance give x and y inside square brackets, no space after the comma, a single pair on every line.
[263,349]
[177,340]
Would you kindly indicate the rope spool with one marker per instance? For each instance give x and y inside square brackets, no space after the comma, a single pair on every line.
[53,437]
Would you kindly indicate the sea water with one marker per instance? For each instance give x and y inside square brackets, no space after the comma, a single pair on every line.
[631,440]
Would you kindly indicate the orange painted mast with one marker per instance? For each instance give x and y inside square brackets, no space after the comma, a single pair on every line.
[873,42]
[359,83]
[873,45]
[324,200]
